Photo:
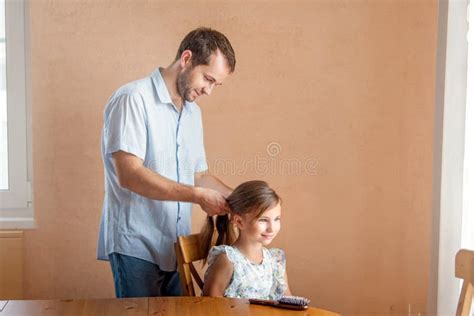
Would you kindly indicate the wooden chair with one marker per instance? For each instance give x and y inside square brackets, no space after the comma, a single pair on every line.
[188,250]
[465,270]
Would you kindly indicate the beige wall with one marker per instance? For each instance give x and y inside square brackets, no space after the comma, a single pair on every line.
[346,84]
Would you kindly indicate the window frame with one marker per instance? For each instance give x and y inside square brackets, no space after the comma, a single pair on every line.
[16,203]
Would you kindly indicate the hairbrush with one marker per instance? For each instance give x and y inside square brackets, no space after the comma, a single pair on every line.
[288,302]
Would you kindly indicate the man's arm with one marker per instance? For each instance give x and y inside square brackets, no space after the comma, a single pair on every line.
[207,180]
[134,176]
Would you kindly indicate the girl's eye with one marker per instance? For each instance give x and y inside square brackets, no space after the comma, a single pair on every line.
[262,220]
[278,218]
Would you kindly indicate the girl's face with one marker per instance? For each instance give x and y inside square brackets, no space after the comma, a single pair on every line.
[262,229]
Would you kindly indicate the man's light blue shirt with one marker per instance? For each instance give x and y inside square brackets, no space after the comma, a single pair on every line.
[141,119]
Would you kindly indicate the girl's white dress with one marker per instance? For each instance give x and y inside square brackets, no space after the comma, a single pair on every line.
[251,280]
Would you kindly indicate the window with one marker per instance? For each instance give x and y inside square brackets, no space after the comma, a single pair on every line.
[15,185]
[3,106]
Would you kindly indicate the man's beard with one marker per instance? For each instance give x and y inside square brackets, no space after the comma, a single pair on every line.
[182,83]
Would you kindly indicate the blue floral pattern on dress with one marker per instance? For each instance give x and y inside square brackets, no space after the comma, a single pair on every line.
[252,280]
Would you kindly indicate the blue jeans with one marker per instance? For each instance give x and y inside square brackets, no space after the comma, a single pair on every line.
[135,277]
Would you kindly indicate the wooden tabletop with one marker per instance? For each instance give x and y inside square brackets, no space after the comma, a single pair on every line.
[158,306]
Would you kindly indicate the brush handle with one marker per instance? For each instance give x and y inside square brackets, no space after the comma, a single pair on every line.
[277,304]
[263,302]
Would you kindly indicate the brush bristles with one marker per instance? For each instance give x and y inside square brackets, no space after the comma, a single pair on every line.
[294,300]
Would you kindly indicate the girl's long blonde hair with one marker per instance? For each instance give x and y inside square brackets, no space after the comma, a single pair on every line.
[251,197]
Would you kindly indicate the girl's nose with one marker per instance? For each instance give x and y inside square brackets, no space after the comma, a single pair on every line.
[270,228]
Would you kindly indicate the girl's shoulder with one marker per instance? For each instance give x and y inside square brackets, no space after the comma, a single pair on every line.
[216,251]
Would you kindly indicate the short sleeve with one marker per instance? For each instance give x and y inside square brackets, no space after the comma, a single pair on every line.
[201,161]
[125,126]
[279,267]
[218,250]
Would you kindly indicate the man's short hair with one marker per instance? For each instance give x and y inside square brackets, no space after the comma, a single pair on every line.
[203,42]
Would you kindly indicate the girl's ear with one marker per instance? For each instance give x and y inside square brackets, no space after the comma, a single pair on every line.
[237,220]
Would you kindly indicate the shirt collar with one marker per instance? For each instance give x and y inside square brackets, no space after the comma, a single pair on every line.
[163,93]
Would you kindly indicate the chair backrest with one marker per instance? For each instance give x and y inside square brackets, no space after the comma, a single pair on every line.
[465,270]
[188,250]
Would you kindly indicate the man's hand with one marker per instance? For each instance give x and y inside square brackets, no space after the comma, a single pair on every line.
[212,202]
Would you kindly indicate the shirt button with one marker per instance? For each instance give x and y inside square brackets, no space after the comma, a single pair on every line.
[179,218]
[178,145]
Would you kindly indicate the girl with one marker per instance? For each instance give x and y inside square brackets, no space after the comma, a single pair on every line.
[242,267]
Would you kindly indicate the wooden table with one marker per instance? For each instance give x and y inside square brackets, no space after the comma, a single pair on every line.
[159,306]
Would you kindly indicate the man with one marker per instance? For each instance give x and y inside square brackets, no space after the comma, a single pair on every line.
[155,166]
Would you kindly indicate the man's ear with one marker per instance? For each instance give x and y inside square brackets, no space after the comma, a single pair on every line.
[185,58]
